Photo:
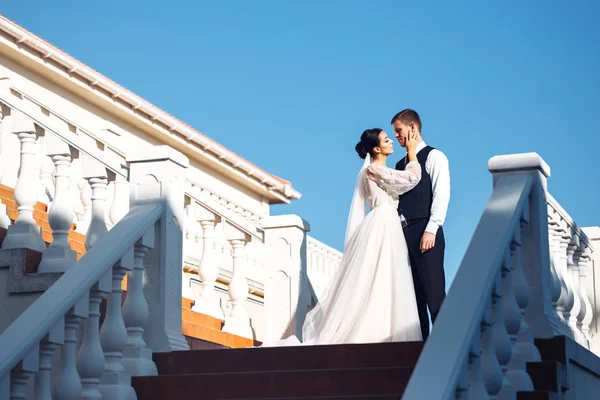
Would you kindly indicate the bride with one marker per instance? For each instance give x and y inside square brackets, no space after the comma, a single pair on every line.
[371,296]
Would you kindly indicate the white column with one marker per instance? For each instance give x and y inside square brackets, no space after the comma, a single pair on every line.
[158,174]
[25,233]
[287,292]
[238,321]
[59,257]
[208,302]
[541,316]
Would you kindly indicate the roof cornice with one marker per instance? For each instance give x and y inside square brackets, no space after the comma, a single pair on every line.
[111,91]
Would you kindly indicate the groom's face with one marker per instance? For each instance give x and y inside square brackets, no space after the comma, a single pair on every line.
[401,132]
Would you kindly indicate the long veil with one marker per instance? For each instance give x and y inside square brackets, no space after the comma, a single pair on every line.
[358,208]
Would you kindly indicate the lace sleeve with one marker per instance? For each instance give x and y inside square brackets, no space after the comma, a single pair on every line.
[395,182]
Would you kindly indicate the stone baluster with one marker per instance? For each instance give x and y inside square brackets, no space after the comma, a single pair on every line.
[90,359]
[566,297]
[502,342]
[573,271]
[473,382]
[4,122]
[24,233]
[208,302]
[586,314]
[20,374]
[490,366]
[59,257]
[554,242]
[191,230]
[47,190]
[560,261]
[68,384]
[238,322]
[120,204]
[115,383]
[43,380]
[95,174]
[519,333]
[75,193]
[137,358]
[85,193]
[525,339]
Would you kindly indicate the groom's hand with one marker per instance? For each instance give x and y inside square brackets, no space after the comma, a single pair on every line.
[427,241]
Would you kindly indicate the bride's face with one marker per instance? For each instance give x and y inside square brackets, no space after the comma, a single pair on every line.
[386,145]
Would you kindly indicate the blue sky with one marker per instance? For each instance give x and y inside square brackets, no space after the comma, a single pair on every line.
[291,86]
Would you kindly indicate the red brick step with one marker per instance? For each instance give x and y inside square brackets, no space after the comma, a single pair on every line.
[289,358]
[275,384]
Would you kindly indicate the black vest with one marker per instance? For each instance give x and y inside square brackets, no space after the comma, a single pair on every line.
[416,203]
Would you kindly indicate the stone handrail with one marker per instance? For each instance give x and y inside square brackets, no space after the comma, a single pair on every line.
[145,244]
[322,262]
[483,335]
[53,319]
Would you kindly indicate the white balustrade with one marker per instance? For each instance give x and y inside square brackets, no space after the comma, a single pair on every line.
[238,321]
[90,358]
[52,321]
[115,383]
[323,261]
[208,302]
[570,251]
[46,192]
[85,192]
[4,127]
[137,358]
[24,233]
[120,202]
[43,380]
[586,313]
[59,257]
[95,174]
[68,383]
[490,339]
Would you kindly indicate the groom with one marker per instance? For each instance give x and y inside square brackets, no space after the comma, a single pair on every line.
[422,211]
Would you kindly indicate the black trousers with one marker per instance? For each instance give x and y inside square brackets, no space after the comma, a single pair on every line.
[428,272]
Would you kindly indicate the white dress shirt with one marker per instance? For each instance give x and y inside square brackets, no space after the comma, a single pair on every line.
[438,170]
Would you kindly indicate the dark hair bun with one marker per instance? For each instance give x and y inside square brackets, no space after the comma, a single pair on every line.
[361,150]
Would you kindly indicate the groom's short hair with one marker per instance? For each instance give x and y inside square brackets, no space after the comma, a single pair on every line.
[406,117]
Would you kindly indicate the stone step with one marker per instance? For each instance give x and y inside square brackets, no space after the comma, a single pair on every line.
[289,358]
[363,382]
[548,375]
[538,395]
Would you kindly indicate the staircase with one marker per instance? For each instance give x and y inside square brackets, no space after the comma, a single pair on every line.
[356,371]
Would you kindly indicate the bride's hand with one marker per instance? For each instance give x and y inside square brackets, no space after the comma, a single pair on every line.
[411,143]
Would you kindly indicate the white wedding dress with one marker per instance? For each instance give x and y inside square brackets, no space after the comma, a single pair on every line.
[371,296]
